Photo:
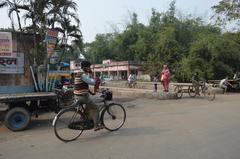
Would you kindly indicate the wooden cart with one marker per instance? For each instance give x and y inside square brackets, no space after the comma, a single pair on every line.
[181,88]
[204,88]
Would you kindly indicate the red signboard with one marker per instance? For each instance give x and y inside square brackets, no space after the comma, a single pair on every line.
[52,33]
[5,44]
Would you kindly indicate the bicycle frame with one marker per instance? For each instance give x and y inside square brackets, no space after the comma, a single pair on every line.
[81,107]
[204,86]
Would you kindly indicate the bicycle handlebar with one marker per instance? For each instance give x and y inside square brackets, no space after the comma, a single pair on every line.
[92,93]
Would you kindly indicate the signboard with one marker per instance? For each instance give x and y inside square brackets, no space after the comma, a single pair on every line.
[51,39]
[52,33]
[5,44]
[50,49]
[12,65]
[54,58]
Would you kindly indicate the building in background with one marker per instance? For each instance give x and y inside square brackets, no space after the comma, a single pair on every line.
[15,73]
[116,70]
[113,70]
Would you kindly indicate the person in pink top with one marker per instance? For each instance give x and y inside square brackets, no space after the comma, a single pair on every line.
[165,78]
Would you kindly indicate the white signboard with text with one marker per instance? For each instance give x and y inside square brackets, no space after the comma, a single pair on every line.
[12,65]
[5,44]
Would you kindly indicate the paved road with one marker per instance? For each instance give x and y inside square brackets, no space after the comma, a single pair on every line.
[155,129]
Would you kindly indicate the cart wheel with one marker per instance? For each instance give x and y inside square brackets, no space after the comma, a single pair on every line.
[17,119]
[179,91]
[192,91]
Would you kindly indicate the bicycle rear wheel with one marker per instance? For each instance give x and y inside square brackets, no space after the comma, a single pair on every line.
[192,91]
[179,91]
[209,94]
[127,85]
[113,117]
[134,85]
[63,124]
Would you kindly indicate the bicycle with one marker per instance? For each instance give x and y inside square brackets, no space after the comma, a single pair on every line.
[204,88]
[131,84]
[70,122]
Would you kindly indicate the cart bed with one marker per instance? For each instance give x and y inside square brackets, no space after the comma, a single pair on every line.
[16,97]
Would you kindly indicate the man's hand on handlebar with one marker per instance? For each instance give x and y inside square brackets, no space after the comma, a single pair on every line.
[92,93]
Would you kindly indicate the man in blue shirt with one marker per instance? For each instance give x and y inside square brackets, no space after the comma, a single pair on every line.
[195,81]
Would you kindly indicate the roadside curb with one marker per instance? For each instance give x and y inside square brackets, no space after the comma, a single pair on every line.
[141,93]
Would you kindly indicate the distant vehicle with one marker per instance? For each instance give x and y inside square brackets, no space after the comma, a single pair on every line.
[106,78]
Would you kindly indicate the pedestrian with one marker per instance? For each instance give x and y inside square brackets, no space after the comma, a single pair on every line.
[165,78]
[224,84]
[155,80]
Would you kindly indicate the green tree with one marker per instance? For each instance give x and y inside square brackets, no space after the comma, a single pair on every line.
[35,12]
[99,49]
[186,44]
[213,55]
[13,6]
[227,11]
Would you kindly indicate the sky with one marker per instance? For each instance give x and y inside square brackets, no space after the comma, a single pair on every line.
[102,16]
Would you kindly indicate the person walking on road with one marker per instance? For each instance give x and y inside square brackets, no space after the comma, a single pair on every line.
[155,80]
[165,78]
[224,84]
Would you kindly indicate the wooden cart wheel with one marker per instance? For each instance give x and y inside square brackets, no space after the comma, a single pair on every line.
[192,91]
[179,91]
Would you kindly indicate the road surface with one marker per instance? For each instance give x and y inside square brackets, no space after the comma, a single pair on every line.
[188,128]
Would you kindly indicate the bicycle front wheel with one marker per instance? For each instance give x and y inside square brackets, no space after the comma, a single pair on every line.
[63,124]
[113,117]
[209,94]
[126,85]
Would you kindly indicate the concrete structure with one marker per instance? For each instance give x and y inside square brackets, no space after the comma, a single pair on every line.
[13,78]
[117,70]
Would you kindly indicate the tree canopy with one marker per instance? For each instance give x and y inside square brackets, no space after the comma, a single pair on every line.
[38,16]
[186,44]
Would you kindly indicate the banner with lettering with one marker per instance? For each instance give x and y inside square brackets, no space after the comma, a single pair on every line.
[12,65]
[51,39]
[5,44]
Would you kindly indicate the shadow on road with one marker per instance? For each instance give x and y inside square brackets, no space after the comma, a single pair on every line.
[40,124]
[123,132]
[122,100]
